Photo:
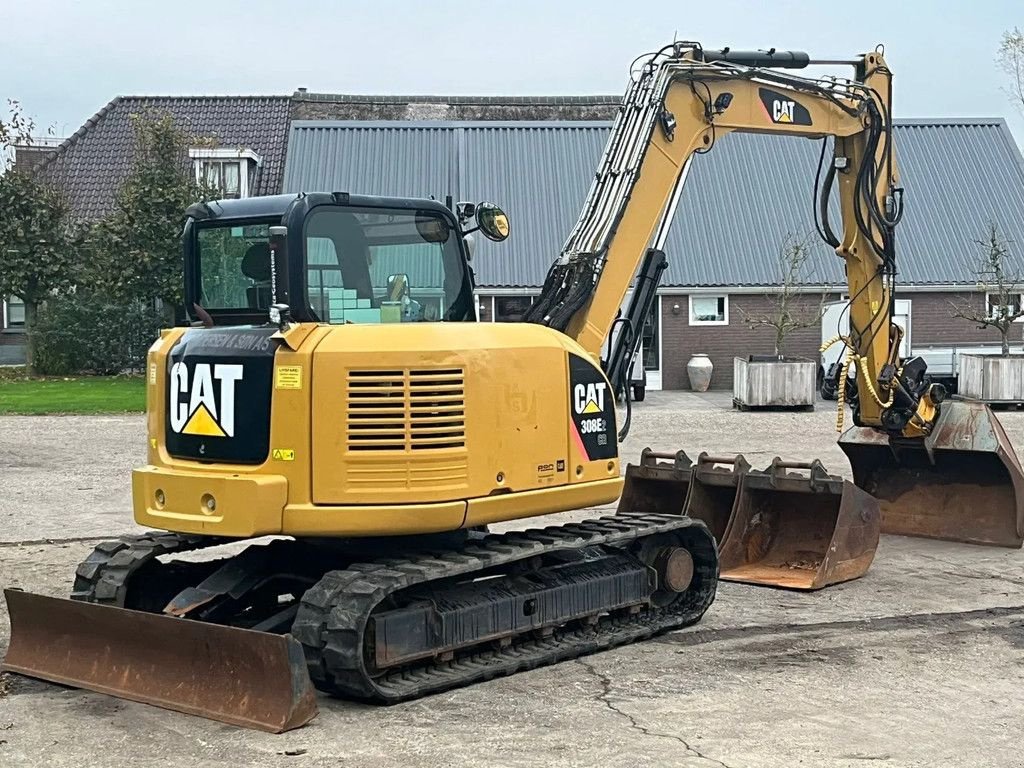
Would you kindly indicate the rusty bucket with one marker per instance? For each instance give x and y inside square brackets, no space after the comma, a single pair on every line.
[962,482]
[657,486]
[238,676]
[713,490]
[798,527]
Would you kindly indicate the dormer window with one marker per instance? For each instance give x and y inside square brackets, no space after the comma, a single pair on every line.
[227,170]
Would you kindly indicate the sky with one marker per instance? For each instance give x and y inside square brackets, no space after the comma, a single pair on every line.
[64,60]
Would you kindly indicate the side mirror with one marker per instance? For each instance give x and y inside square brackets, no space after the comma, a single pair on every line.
[492,221]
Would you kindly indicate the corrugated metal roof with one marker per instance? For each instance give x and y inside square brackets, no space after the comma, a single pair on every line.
[372,158]
[739,204]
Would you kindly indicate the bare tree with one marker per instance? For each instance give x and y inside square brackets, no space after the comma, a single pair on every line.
[1001,286]
[788,306]
[1010,58]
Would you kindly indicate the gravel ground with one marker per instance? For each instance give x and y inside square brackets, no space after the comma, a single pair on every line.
[920,663]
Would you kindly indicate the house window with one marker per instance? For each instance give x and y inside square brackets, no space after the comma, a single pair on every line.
[223,175]
[709,310]
[511,309]
[649,337]
[996,309]
[484,308]
[226,170]
[14,313]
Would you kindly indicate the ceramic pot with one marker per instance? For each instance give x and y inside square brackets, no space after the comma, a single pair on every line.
[699,371]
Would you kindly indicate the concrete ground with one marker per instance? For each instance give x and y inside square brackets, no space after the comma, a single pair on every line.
[920,663]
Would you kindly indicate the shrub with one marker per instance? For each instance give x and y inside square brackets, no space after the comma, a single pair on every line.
[84,333]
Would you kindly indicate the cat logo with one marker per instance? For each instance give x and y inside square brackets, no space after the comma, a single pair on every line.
[588,398]
[198,407]
[779,108]
[782,111]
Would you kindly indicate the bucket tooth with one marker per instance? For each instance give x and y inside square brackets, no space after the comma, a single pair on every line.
[962,482]
[655,486]
[802,529]
[713,489]
[238,676]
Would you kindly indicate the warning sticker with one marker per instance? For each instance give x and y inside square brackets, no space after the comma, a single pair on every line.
[283,454]
[288,377]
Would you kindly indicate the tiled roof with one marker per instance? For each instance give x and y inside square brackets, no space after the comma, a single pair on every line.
[90,166]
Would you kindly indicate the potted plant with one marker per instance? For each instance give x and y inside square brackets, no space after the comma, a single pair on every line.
[777,380]
[996,305]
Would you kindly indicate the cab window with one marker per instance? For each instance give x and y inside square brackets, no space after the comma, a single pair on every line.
[384,265]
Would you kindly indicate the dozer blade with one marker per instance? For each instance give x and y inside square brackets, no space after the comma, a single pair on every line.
[962,482]
[799,530]
[237,676]
[658,487]
[713,490]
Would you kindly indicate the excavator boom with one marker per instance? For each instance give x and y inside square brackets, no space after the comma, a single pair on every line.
[910,445]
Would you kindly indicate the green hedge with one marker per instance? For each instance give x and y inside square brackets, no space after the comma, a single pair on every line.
[87,334]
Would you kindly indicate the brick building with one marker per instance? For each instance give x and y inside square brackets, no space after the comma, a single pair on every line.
[535,156]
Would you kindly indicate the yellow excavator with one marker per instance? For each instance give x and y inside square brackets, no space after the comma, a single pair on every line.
[335,393]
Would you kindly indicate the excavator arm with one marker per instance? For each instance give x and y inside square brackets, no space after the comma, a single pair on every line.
[941,470]
[681,102]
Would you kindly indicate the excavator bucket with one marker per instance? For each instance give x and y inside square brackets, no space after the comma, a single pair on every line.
[713,490]
[238,676]
[657,486]
[802,529]
[962,482]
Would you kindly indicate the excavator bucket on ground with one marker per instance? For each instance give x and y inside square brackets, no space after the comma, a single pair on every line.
[962,482]
[802,529]
[657,486]
[238,676]
[713,490]
[792,525]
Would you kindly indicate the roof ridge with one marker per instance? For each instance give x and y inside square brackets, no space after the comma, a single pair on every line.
[210,96]
[434,98]
[962,120]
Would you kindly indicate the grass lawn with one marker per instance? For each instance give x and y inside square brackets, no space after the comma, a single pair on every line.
[71,395]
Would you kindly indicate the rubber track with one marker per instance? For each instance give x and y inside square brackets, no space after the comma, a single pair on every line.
[334,613]
[103,576]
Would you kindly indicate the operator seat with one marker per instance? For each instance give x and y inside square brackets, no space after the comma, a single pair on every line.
[256,266]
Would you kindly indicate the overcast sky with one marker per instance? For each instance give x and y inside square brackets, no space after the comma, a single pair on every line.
[64,60]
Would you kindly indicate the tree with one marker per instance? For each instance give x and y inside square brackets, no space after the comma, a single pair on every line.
[1010,58]
[138,254]
[1001,287]
[788,309]
[38,251]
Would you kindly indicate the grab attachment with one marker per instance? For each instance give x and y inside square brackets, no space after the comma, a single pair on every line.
[802,529]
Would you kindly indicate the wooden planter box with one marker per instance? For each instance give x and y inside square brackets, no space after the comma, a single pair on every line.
[992,378]
[774,383]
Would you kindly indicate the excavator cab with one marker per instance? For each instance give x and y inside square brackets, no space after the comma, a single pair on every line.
[332,258]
